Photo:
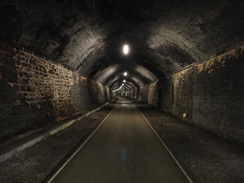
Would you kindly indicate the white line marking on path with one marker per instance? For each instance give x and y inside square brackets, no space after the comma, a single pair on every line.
[68,160]
[183,171]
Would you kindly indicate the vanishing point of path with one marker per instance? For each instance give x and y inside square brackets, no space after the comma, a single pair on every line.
[124,149]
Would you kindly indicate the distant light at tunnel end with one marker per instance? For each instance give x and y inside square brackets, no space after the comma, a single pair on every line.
[126,49]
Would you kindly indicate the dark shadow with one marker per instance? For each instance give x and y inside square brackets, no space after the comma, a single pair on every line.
[160,99]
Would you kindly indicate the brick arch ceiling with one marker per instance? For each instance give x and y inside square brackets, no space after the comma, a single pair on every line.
[86,36]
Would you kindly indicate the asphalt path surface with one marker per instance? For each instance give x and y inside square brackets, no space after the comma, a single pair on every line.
[124,149]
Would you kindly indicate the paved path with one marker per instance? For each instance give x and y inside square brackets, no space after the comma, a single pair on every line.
[123,150]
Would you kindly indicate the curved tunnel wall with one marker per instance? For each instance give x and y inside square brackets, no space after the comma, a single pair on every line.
[35,91]
[209,95]
[85,38]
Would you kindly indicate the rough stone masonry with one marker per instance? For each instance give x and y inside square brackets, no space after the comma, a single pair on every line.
[209,95]
[35,91]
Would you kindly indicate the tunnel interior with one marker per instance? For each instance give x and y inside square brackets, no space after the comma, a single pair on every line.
[61,58]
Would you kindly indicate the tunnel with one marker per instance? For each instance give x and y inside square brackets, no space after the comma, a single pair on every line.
[62,61]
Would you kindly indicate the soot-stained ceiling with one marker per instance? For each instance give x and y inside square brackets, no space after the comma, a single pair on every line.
[87,35]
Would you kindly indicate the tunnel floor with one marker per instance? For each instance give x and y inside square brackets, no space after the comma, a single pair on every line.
[205,158]
[123,149]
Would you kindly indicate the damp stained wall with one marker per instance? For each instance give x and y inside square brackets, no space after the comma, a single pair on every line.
[209,95]
[35,91]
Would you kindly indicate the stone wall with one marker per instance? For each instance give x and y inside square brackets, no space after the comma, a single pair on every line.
[150,93]
[34,91]
[209,95]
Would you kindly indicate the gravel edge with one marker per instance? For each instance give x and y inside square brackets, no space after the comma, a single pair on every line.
[204,156]
[38,162]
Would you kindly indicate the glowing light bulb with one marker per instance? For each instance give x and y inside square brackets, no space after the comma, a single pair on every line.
[124,81]
[126,49]
[125,74]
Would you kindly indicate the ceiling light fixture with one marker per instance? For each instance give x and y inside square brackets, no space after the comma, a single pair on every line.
[124,81]
[125,74]
[126,49]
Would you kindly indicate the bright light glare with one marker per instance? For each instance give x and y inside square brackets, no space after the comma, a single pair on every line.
[126,49]
[123,84]
[124,81]
[125,73]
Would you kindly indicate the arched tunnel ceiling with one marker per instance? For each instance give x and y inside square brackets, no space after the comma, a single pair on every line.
[112,73]
[87,36]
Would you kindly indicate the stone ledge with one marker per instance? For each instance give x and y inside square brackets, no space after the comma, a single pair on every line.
[17,145]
